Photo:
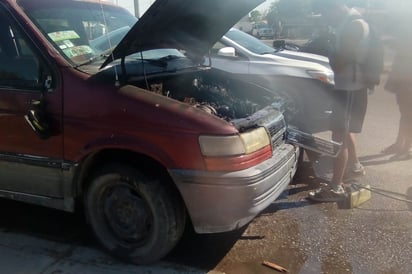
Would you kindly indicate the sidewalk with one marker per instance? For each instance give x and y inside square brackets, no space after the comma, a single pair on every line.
[25,254]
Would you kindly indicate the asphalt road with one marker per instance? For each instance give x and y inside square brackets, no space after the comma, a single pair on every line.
[300,236]
[376,237]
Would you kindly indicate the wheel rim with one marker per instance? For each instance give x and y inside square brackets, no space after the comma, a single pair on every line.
[127,214]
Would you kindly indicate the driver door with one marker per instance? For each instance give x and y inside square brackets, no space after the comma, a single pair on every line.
[28,163]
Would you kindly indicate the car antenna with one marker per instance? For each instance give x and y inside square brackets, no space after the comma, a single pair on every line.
[144,70]
[116,83]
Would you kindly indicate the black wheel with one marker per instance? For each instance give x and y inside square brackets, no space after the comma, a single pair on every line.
[135,217]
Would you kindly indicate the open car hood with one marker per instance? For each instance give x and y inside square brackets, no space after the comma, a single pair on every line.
[189,25]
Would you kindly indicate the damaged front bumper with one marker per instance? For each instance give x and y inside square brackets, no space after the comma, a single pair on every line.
[224,201]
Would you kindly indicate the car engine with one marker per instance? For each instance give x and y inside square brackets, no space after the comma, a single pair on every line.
[223,98]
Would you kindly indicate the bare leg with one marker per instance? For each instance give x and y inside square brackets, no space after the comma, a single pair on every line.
[352,154]
[397,147]
[405,132]
[399,143]
[340,162]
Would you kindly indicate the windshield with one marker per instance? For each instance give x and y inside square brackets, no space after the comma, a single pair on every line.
[156,54]
[249,42]
[80,31]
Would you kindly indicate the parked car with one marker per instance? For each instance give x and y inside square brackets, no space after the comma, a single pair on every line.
[304,81]
[263,32]
[320,43]
[142,137]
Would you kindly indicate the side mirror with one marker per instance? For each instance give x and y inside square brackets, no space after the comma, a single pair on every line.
[37,119]
[279,44]
[227,52]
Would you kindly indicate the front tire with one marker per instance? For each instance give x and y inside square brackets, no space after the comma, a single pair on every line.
[134,216]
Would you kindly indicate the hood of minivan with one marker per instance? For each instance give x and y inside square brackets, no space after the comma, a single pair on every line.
[189,25]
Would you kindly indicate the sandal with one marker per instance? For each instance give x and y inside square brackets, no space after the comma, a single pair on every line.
[327,194]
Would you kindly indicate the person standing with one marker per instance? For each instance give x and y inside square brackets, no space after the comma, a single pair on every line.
[400,83]
[350,91]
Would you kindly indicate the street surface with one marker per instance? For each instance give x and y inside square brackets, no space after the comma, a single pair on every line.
[298,235]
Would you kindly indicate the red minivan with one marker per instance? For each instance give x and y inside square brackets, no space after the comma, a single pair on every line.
[120,119]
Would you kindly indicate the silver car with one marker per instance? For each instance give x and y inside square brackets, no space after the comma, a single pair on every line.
[304,81]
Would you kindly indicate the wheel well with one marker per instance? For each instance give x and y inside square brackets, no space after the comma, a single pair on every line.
[93,162]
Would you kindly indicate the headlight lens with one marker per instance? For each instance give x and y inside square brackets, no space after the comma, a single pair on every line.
[323,76]
[244,143]
[255,140]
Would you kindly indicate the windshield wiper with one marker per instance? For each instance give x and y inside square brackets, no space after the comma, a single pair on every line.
[90,61]
[101,56]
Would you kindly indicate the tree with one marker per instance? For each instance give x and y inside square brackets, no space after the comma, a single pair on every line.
[291,16]
[255,16]
[291,9]
[272,16]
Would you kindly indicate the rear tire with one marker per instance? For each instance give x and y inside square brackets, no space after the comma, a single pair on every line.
[134,216]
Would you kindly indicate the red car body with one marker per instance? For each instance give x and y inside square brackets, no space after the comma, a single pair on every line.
[131,155]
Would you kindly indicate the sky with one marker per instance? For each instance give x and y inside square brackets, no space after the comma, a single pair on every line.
[145,4]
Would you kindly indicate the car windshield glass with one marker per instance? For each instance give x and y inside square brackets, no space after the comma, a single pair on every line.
[80,31]
[249,42]
[156,54]
[159,57]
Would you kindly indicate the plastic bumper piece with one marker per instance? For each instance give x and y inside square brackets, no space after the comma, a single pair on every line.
[224,201]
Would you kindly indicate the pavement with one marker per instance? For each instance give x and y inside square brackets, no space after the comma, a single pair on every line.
[22,253]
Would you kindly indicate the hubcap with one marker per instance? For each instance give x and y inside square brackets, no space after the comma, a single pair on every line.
[127,214]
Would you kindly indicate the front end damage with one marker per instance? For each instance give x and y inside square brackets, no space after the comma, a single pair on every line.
[245,105]
[233,197]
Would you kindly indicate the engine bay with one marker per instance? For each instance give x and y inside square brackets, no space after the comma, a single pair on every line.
[223,97]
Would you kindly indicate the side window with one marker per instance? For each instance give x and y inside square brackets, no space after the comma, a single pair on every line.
[20,66]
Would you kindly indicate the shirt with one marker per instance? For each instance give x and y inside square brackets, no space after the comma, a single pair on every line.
[350,77]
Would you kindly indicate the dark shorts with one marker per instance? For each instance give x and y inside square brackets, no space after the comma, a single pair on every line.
[349,113]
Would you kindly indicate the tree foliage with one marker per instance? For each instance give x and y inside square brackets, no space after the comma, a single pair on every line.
[298,10]
[290,9]
[255,16]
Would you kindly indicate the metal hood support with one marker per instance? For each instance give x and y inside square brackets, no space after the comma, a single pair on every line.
[189,25]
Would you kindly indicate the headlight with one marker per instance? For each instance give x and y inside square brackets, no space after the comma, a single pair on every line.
[323,76]
[244,143]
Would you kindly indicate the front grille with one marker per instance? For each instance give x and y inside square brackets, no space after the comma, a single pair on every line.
[277,131]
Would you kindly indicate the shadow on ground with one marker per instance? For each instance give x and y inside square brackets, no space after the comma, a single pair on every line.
[45,223]
[194,250]
[204,251]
